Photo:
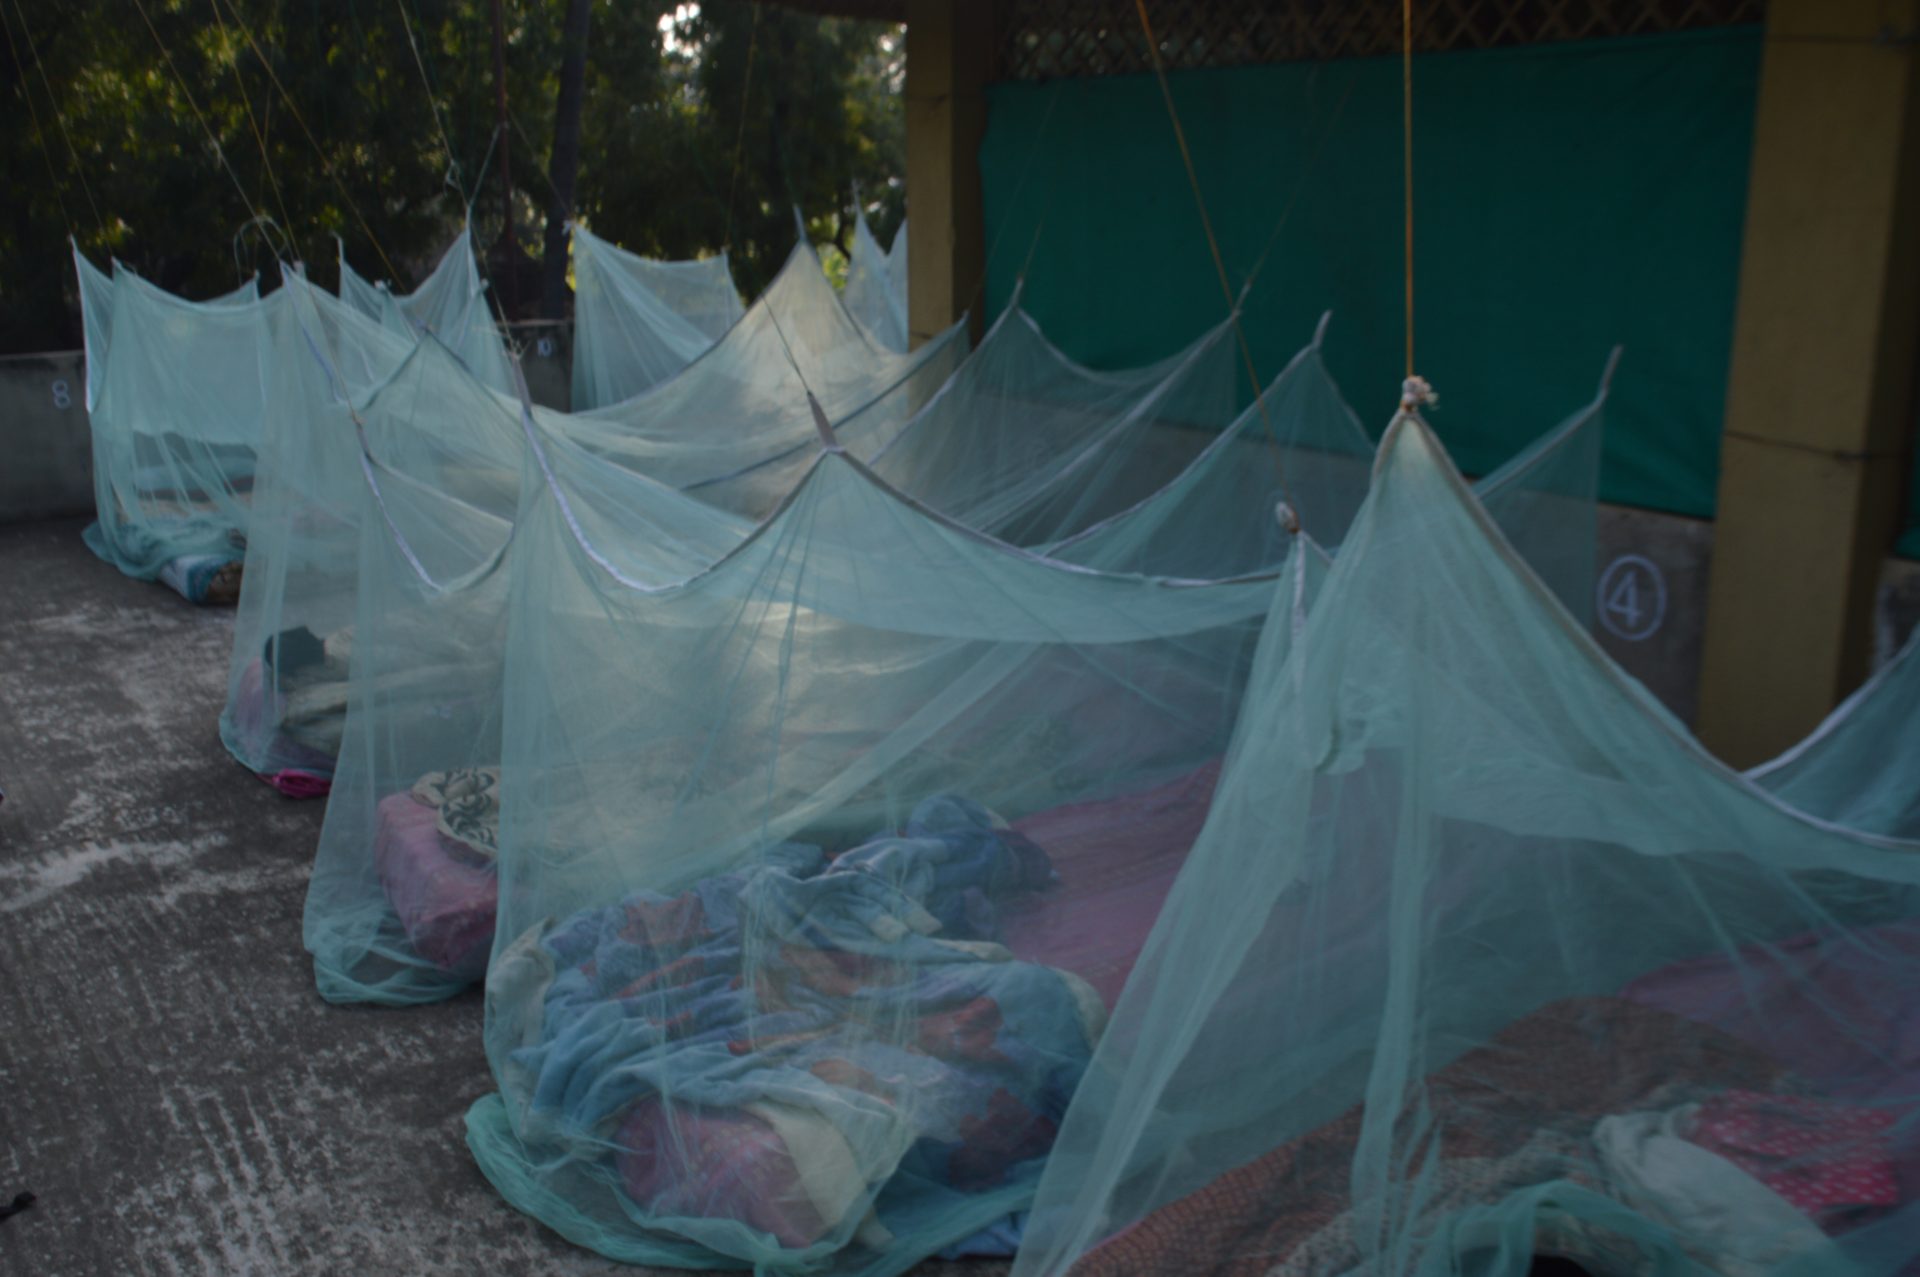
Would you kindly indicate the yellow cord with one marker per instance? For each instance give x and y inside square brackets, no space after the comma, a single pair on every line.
[1213,243]
[1406,109]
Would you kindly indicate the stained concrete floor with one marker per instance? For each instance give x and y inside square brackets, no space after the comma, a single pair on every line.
[172,1090]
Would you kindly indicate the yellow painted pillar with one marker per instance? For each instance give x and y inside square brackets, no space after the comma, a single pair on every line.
[1820,401]
[949,57]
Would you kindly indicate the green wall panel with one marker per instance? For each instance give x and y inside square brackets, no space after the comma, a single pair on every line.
[1569,197]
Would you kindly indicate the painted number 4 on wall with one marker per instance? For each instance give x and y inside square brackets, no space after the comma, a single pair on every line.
[1632,598]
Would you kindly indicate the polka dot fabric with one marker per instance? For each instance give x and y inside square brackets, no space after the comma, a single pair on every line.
[1824,1158]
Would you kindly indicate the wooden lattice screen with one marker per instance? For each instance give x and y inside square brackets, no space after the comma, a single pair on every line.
[1055,39]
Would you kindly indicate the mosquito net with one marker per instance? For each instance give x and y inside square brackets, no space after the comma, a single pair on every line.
[377,921]
[1302,445]
[877,302]
[178,396]
[400,907]
[288,677]
[330,364]
[450,303]
[744,402]
[637,322]
[96,313]
[817,870]
[1480,958]
[1861,768]
[897,272]
[1020,441]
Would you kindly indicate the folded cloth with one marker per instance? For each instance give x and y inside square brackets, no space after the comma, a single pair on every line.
[466,805]
[211,579]
[1820,1156]
[1717,1212]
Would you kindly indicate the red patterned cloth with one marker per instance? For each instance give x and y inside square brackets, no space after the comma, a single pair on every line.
[1559,1069]
[1820,1156]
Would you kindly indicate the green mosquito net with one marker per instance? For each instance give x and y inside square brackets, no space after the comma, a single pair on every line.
[96,314]
[1481,960]
[874,297]
[818,869]
[1020,441]
[450,303]
[637,321]
[1300,445]
[744,402]
[287,701]
[176,398]
[330,364]
[897,272]
[366,891]
[400,906]
[1859,768]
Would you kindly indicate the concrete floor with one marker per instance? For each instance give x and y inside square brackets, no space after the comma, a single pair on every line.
[171,1088]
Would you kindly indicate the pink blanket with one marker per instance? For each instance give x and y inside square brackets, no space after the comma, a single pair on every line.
[1840,1009]
[444,893]
[1117,859]
[715,1164]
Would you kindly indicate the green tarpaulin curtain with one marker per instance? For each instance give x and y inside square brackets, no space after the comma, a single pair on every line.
[1569,196]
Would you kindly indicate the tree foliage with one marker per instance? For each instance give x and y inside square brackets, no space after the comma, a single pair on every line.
[196,140]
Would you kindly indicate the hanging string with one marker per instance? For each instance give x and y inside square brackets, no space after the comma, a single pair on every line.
[1322,135]
[213,138]
[46,153]
[979,295]
[259,137]
[740,134]
[1415,391]
[59,119]
[1406,134]
[514,119]
[326,161]
[1213,246]
[433,105]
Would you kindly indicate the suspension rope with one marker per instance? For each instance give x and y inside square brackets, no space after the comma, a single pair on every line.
[1323,136]
[513,118]
[326,161]
[260,137]
[46,153]
[740,134]
[979,295]
[59,119]
[1406,133]
[1213,245]
[213,138]
[433,105]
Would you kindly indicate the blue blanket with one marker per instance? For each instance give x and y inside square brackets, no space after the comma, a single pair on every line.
[856,1009]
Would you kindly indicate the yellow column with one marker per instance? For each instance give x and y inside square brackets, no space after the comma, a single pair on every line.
[1820,402]
[949,56]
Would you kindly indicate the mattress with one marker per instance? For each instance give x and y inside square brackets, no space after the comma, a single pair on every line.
[443,892]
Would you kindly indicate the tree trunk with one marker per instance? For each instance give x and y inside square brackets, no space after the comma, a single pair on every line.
[563,168]
[510,250]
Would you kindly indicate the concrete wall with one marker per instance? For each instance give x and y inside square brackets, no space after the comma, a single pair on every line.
[46,459]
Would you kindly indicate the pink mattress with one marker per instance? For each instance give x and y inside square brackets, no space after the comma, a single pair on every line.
[1117,859]
[444,894]
[1840,1010]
